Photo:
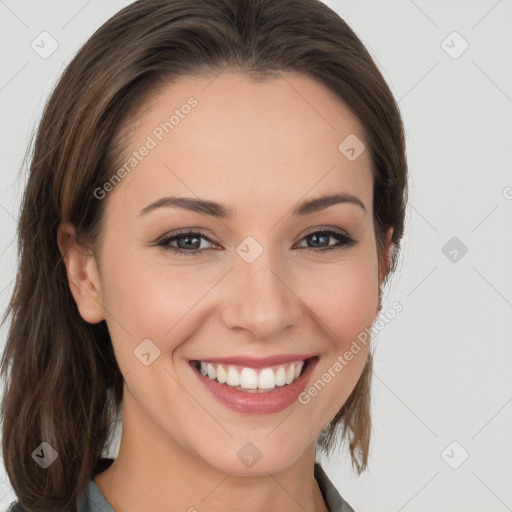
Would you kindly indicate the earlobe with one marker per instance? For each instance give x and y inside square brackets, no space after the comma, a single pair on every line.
[82,273]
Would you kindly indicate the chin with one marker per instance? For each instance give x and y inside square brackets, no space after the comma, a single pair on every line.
[253,458]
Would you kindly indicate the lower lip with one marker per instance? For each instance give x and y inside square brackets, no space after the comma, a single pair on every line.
[258,403]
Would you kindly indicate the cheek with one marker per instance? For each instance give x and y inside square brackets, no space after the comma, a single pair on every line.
[343,297]
[147,298]
[344,300]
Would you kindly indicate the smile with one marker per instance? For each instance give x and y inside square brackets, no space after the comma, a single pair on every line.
[252,390]
[245,378]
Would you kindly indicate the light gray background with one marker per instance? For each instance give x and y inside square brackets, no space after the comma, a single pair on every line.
[443,365]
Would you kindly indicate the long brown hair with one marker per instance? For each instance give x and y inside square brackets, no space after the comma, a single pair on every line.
[64,386]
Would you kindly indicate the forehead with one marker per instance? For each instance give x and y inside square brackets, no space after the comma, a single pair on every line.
[232,138]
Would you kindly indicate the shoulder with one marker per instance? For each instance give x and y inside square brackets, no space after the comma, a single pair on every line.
[333,499]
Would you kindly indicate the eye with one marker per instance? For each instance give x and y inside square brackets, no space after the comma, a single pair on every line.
[184,239]
[189,242]
[320,237]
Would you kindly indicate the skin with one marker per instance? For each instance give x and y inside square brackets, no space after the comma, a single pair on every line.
[259,148]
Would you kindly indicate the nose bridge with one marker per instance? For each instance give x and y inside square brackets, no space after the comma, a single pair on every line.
[262,302]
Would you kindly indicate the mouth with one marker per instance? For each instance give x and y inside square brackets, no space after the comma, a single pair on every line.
[251,379]
[255,388]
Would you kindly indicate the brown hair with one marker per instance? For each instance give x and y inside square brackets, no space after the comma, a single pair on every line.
[65,387]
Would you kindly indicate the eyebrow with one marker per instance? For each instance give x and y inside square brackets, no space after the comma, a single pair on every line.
[220,211]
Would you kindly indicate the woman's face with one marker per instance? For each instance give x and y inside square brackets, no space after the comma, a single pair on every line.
[257,284]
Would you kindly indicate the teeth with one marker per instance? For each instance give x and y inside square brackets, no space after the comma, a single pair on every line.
[298,369]
[281,376]
[250,379]
[267,379]
[222,376]
[233,377]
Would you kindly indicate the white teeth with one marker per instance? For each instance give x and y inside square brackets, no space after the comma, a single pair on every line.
[250,379]
[298,368]
[290,375]
[281,376]
[233,377]
[222,376]
[267,379]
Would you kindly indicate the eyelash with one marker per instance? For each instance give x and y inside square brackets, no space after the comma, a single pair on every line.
[343,241]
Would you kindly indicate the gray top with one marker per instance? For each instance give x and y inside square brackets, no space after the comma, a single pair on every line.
[94,501]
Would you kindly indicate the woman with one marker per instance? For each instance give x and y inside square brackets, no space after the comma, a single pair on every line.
[215,201]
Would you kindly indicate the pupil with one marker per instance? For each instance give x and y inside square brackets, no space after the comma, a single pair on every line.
[316,236]
[185,239]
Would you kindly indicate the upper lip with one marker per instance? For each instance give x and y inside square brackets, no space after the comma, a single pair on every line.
[254,362]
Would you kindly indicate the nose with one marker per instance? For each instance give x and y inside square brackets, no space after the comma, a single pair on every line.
[260,299]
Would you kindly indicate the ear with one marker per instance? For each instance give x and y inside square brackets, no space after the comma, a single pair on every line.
[83,275]
[385,262]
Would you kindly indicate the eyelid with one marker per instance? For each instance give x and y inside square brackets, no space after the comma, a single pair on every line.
[187,231]
[329,228]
